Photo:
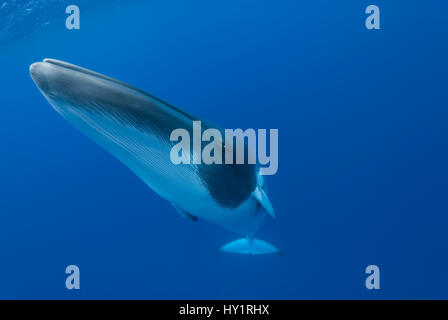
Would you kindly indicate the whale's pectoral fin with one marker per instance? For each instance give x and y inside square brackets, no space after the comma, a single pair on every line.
[250,246]
[262,198]
[184,214]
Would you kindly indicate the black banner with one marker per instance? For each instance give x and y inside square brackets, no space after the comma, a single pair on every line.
[223,309]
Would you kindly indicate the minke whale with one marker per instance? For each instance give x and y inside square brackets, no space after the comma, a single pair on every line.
[135,127]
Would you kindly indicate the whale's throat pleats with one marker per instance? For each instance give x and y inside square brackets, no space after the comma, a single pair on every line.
[135,127]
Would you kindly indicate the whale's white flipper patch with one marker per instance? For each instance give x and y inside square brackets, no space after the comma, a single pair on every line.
[263,199]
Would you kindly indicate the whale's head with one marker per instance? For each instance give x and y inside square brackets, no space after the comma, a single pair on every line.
[86,98]
[70,88]
[62,82]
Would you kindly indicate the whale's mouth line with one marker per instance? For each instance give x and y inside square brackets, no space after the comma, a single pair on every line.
[69,66]
[72,67]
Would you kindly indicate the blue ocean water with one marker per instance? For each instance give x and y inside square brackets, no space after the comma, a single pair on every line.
[362,118]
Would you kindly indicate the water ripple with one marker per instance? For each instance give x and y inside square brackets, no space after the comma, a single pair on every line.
[20,18]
